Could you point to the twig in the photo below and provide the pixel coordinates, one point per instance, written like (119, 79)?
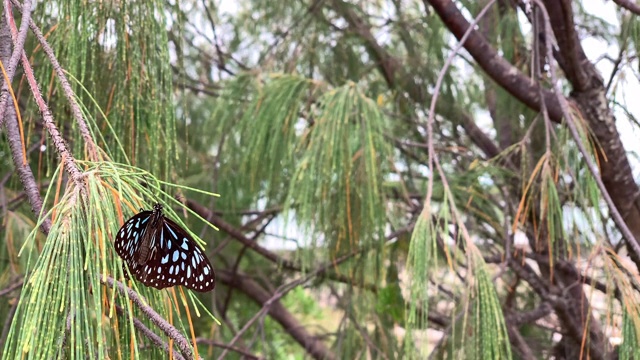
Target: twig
(225, 346)
(286, 264)
(615, 214)
(279, 293)
(7, 112)
(12, 63)
(58, 141)
(221, 62)
(7, 322)
(444, 338)
(11, 287)
(66, 86)
(147, 332)
(314, 346)
(236, 265)
(433, 158)
(183, 344)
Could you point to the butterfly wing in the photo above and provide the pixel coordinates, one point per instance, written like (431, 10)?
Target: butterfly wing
(187, 264)
(129, 237)
(174, 259)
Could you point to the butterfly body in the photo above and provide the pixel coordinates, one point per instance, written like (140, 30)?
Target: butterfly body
(160, 254)
(146, 242)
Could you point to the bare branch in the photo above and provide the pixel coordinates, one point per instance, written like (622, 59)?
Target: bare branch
(499, 69)
(271, 305)
(629, 5)
(148, 333)
(9, 117)
(66, 86)
(183, 344)
(225, 346)
(11, 287)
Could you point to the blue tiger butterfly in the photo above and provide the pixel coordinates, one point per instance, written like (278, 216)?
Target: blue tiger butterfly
(159, 253)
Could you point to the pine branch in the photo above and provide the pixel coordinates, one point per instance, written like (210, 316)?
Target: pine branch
(66, 86)
(148, 333)
(8, 115)
(183, 344)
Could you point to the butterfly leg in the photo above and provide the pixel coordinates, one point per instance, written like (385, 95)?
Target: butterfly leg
(124, 270)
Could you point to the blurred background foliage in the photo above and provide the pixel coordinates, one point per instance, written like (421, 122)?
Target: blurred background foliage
(309, 119)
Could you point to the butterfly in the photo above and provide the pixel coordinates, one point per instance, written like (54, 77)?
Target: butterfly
(159, 253)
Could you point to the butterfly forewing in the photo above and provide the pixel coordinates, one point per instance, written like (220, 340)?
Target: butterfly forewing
(129, 236)
(173, 257)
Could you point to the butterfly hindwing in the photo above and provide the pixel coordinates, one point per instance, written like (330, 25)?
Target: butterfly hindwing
(198, 272)
(172, 256)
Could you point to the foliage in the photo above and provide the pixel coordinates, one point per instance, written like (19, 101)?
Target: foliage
(353, 223)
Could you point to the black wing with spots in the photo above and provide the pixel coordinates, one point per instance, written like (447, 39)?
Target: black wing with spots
(174, 258)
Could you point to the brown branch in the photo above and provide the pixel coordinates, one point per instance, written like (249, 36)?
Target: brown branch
(573, 59)
(183, 344)
(613, 176)
(243, 352)
(58, 141)
(615, 214)
(521, 318)
(519, 343)
(11, 63)
(271, 305)
(148, 333)
(7, 322)
(573, 318)
(629, 5)
(555, 297)
(11, 287)
(236, 265)
(253, 245)
(9, 118)
(433, 156)
(66, 86)
(391, 68)
(500, 70)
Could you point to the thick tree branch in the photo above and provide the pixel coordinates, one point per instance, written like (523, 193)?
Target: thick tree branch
(500, 70)
(155, 339)
(617, 184)
(66, 86)
(391, 69)
(271, 305)
(573, 61)
(286, 264)
(629, 5)
(183, 344)
(8, 112)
